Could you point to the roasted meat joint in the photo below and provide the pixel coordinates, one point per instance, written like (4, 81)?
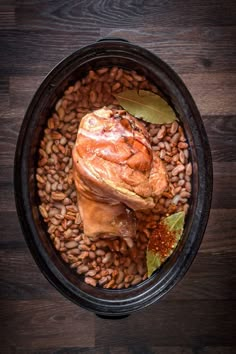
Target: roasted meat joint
(116, 172)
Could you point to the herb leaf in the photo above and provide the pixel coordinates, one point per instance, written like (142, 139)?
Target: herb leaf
(166, 238)
(153, 262)
(146, 105)
(175, 222)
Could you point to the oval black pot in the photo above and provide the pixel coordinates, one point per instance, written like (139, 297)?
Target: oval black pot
(101, 301)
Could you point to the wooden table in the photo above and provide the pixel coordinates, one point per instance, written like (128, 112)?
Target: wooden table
(198, 39)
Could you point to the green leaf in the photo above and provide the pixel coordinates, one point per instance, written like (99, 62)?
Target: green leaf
(153, 262)
(146, 105)
(174, 224)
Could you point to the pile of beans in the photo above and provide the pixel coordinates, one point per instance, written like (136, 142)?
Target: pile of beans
(112, 264)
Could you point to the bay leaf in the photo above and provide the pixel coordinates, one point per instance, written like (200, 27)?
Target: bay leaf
(146, 105)
(174, 224)
(153, 262)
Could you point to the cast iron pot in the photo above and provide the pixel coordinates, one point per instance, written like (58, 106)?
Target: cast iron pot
(126, 55)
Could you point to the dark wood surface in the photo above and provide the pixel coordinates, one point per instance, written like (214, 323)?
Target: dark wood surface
(198, 39)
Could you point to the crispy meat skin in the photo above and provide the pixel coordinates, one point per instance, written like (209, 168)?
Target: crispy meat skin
(115, 172)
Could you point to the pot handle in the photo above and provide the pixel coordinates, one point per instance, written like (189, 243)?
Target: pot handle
(108, 39)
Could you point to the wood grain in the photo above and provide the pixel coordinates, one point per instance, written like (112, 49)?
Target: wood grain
(132, 349)
(65, 15)
(205, 323)
(225, 186)
(189, 49)
(27, 320)
(211, 277)
(7, 14)
(213, 93)
(213, 242)
(198, 39)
